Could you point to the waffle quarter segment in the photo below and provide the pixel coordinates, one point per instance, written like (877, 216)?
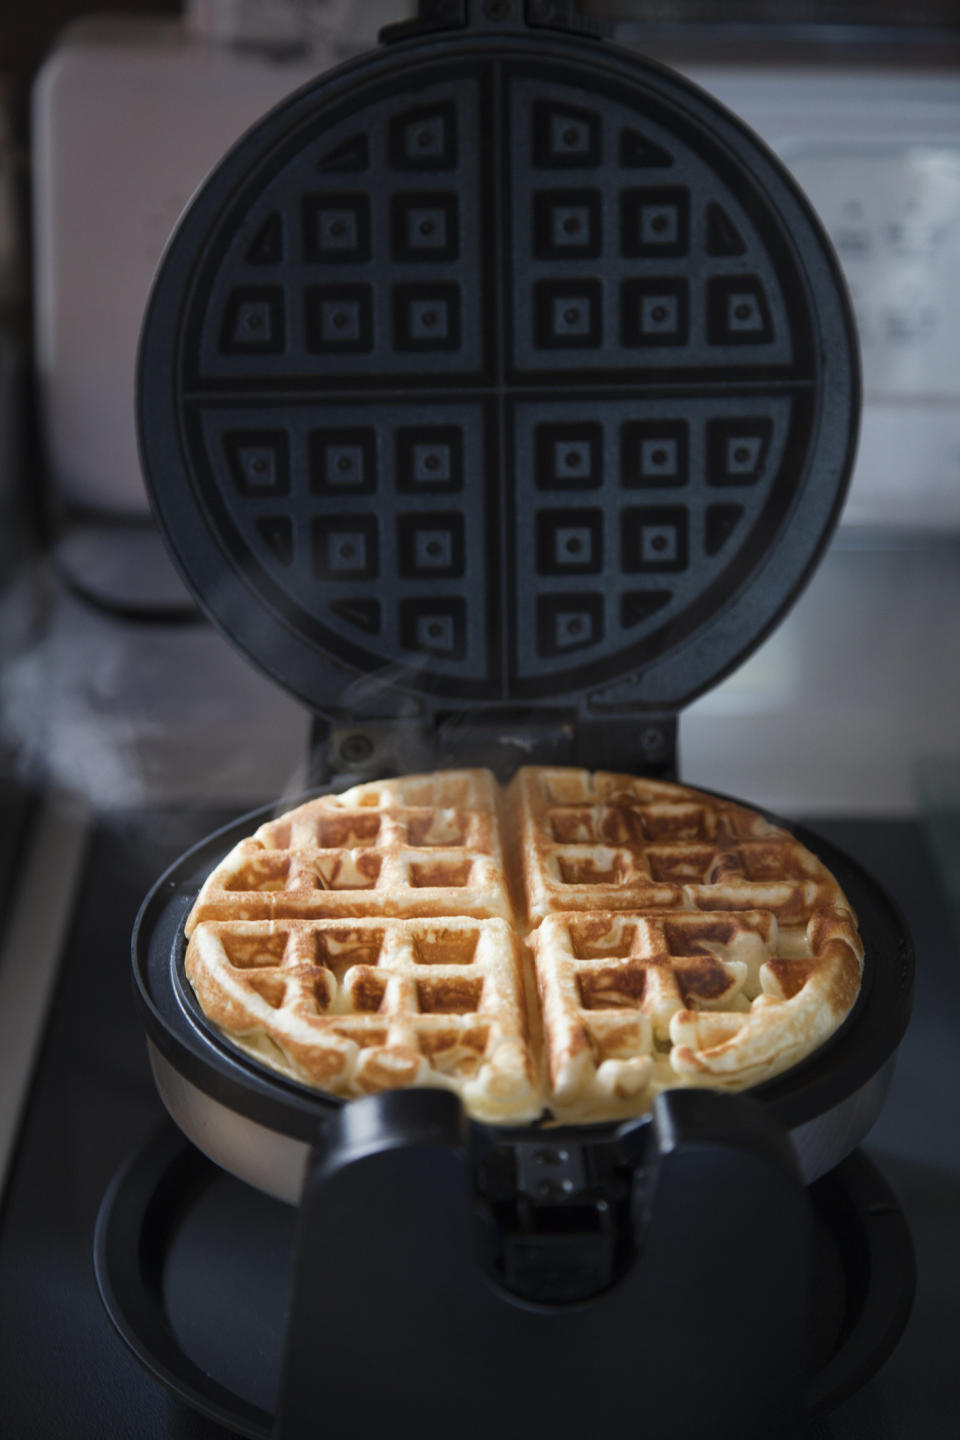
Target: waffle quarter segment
(357, 1006)
(600, 841)
(420, 845)
(635, 1003)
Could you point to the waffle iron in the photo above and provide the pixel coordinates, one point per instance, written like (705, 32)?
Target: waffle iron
(498, 394)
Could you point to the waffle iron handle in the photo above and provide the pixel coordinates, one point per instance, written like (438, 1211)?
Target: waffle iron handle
(439, 15)
(705, 1333)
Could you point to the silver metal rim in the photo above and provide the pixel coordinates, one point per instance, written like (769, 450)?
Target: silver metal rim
(275, 1163)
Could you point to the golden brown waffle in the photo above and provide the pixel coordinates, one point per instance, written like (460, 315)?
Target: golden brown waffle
(613, 842)
(419, 845)
(354, 1006)
(738, 956)
(677, 939)
(634, 1004)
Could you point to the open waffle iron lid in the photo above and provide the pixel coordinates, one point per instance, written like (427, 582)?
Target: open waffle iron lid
(498, 368)
(502, 370)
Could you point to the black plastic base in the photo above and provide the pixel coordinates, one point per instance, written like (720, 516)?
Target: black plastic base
(196, 1269)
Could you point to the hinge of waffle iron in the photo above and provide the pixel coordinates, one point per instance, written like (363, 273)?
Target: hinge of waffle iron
(439, 15)
(499, 740)
(558, 1218)
(565, 15)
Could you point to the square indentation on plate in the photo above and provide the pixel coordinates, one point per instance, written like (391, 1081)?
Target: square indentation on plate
(336, 228)
(425, 138)
(426, 317)
(569, 542)
(345, 547)
(425, 227)
(737, 450)
(431, 545)
(569, 456)
(737, 311)
(567, 224)
(343, 462)
(259, 461)
(654, 312)
(655, 222)
(254, 321)
(339, 318)
(653, 453)
(565, 136)
(654, 538)
(568, 622)
(438, 627)
(429, 459)
(568, 314)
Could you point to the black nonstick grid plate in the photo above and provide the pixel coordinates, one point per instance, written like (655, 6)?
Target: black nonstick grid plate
(504, 367)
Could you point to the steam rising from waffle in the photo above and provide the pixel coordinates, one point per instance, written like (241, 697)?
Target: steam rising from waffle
(570, 946)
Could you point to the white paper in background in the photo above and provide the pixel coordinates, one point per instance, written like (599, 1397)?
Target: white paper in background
(344, 24)
(893, 214)
(107, 195)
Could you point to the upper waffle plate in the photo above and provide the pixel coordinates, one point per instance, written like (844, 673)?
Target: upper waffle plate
(505, 361)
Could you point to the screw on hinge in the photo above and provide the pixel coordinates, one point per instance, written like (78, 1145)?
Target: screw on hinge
(550, 1172)
(354, 749)
(651, 740)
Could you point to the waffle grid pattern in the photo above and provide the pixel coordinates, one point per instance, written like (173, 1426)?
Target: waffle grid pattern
(362, 1005)
(366, 264)
(656, 935)
(679, 939)
(373, 851)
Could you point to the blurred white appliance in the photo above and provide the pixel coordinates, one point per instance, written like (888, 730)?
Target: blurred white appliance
(878, 153)
(128, 117)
